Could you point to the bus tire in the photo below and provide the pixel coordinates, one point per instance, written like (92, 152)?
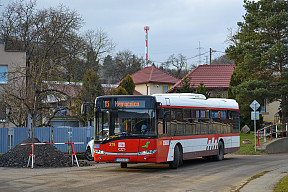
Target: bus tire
(175, 163)
(181, 156)
(220, 154)
(123, 165)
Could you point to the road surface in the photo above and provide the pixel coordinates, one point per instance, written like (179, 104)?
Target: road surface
(195, 175)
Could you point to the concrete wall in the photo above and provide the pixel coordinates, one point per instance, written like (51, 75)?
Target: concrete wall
(278, 146)
(153, 88)
(142, 88)
(271, 110)
(13, 59)
(16, 63)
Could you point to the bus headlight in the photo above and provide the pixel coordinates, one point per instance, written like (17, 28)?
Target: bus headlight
(148, 152)
(100, 152)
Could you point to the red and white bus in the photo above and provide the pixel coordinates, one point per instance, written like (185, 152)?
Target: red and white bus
(164, 128)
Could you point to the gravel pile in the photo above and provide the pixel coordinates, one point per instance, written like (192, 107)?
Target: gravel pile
(45, 156)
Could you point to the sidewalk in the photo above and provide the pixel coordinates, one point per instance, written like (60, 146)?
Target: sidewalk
(266, 182)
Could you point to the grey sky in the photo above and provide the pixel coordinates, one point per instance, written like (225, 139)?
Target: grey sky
(176, 26)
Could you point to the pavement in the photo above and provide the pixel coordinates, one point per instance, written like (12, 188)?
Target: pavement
(266, 182)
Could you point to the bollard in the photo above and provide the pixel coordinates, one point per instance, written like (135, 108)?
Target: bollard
(281, 129)
(276, 131)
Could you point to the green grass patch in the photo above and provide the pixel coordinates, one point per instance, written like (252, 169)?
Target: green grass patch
(282, 186)
(248, 149)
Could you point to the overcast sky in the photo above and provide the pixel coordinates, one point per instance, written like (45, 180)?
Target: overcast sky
(176, 26)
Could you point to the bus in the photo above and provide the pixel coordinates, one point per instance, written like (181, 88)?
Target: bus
(164, 128)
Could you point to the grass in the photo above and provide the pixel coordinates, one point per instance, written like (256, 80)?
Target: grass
(282, 186)
(248, 149)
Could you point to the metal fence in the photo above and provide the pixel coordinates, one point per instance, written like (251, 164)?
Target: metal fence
(3, 140)
(10, 137)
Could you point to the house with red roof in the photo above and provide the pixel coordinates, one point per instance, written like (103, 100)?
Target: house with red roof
(216, 79)
(151, 80)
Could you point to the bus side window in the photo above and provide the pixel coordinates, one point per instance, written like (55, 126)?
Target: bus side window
(235, 117)
(168, 118)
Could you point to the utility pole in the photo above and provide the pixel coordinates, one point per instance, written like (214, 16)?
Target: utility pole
(210, 59)
(199, 61)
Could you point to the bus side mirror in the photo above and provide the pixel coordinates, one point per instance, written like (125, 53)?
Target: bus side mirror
(84, 109)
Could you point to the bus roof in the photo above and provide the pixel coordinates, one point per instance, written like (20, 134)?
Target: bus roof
(195, 100)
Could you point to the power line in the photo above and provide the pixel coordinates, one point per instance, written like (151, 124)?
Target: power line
(189, 58)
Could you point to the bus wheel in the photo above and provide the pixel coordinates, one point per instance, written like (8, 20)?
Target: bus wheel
(220, 154)
(123, 165)
(175, 163)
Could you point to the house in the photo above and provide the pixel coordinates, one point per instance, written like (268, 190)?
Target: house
(12, 62)
(151, 80)
(216, 79)
(64, 107)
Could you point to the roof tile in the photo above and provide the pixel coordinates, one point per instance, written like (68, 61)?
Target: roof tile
(213, 76)
(152, 74)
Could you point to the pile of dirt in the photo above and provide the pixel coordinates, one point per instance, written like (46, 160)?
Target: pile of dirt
(45, 156)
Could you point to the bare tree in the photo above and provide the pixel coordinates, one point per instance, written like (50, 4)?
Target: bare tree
(222, 60)
(179, 63)
(127, 63)
(56, 50)
(46, 36)
(12, 95)
(97, 46)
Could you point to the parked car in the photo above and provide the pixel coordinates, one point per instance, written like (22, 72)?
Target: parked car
(89, 153)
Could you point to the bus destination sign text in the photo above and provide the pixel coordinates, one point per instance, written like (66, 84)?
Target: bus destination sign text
(124, 104)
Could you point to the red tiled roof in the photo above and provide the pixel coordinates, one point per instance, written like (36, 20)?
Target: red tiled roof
(72, 90)
(213, 76)
(152, 74)
(136, 93)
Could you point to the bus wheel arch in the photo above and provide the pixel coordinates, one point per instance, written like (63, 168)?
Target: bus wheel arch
(178, 157)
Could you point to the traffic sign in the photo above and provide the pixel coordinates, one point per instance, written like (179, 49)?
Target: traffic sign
(255, 116)
(254, 105)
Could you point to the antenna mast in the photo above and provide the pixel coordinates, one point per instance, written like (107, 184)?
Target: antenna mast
(146, 29)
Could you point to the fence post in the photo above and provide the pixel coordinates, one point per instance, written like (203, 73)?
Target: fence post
(10, 132)
(271, 132)
(258, 138)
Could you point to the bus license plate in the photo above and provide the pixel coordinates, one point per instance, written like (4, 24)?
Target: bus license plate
(122, 160)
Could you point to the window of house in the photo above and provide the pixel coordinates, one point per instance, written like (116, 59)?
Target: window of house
(3, 73)
(165, 88)
(263, 107)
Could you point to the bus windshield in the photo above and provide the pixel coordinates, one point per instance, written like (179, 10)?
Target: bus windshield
(125, 122)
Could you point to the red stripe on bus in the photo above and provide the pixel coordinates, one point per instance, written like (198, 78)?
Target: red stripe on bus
(170, 106)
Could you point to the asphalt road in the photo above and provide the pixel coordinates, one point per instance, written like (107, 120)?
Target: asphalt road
(195, 175)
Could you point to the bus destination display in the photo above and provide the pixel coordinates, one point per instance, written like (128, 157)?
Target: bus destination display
(124, 103)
